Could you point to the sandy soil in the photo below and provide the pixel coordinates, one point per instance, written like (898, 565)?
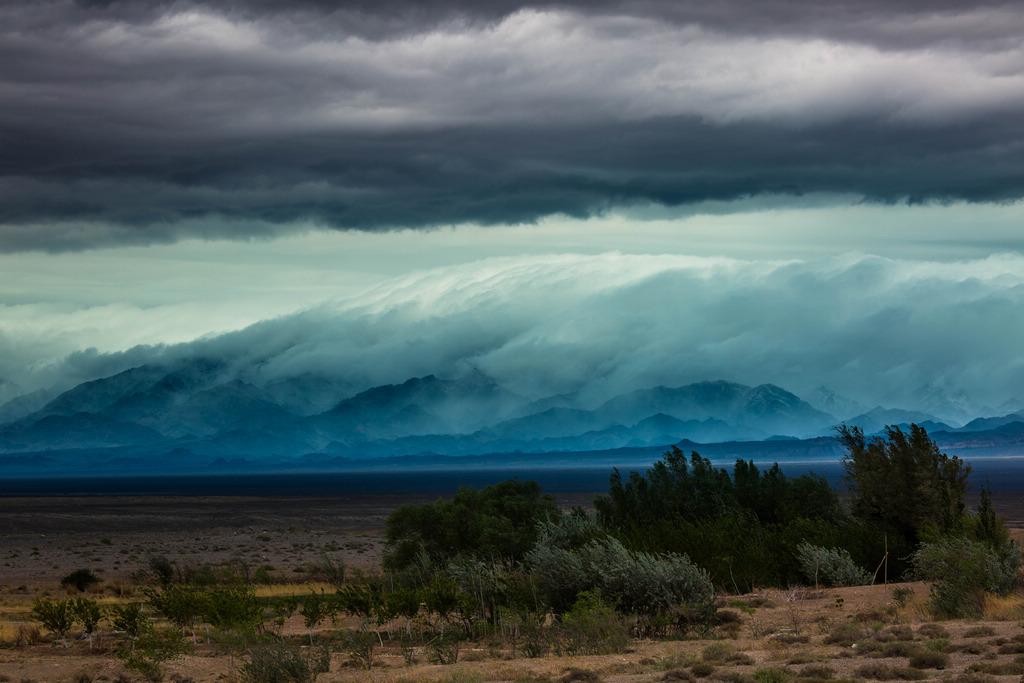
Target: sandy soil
(43, 539)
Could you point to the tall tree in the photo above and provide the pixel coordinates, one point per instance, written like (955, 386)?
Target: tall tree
(904, 481)
(499, 522)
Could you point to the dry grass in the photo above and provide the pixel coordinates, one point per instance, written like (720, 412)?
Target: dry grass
(1004, 608)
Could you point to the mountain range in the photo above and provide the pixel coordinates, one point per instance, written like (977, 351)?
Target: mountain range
(199, 412)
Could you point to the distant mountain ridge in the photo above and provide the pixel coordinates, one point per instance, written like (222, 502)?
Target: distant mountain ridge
(200, 411)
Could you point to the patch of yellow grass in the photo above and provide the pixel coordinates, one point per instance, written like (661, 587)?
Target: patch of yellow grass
(1004, 607)
(278, 590)
(914, 610)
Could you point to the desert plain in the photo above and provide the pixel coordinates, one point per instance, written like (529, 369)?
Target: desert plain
(794, 632)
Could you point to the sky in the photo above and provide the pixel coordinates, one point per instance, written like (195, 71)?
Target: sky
(568, 196)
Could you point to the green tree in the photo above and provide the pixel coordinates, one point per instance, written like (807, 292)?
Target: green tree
(497, 522)
(150, 650)
(672, 490)
(130, 620)
(87, 613)
(233, 608)
(182, 605)
(57, 616)
(904, 482)
(314, 608)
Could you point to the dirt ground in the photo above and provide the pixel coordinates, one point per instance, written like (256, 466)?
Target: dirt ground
(43, 539)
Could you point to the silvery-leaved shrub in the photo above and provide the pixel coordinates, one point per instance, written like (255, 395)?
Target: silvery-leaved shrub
(830, 566)
(961, 571)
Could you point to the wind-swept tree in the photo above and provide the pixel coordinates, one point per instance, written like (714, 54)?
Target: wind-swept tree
(903, 481)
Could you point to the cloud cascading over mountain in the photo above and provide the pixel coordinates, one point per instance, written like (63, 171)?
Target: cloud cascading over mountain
(874, 329)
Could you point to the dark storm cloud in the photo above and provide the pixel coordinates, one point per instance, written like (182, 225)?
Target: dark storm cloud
(149, 122)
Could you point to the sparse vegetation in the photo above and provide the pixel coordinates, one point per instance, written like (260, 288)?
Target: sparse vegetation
(576, 585)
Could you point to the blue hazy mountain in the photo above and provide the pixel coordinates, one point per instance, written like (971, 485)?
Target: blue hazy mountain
(419, 406)
(764, 410)
(828, 401)
(196, 412)
(981, 424)
(878, 417)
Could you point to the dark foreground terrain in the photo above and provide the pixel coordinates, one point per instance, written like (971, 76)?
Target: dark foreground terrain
(43, 539)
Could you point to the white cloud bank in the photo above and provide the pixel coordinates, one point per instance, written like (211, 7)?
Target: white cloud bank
(874, 328)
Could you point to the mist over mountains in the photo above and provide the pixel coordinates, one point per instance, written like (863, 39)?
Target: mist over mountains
(194, 414)
(557, 353)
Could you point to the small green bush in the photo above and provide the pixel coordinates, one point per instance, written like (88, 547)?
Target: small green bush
(902, 595)
(703, 669)
(717, 652)
(577, 675)
(998, 668)
(901, 648)
(1011, 648)
(360, 646)
(830, 566)
(594, 627)
(901, 632)
(883, 672)
(876, 671)
(771, 675)
(277, 662)
(926, 659)
(932, 631)
(962, 571)
(980, 632)
(973, 677)
(844, 634)
(817, 671)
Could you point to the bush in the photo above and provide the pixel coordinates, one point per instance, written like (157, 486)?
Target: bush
(444, 649)
(703, 669)
(844, 634)
(962, 571)
(282, 663)
(771, 675)
(830, 566)
(933, 631)
(576, 675)
(162, 569)
(150, 650)
(927, 659)
(56, 616)
(79, 579)
(593, 627)
(641, 583)
(360, 646)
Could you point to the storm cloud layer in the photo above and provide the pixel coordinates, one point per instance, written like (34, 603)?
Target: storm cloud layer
(877, 330)
(140, 123)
